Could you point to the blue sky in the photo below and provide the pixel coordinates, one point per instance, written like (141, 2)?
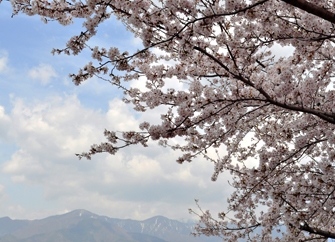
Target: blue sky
(45, 119)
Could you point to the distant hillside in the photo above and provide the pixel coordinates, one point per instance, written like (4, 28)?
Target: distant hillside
(83, 226)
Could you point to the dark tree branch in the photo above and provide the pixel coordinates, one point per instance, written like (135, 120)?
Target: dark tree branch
(311, 230)
(313, 9)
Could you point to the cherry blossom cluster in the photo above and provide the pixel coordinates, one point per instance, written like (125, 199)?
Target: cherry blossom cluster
(224, 51)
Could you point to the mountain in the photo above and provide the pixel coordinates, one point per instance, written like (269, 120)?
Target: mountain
(87, 230)
(8, 238)
(159, 226)
(8, 226)
(83, 226)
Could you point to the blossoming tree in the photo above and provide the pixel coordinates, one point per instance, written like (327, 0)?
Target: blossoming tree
(223, 50)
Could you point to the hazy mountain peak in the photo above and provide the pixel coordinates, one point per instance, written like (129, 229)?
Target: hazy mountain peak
(159, 221)
(82, 212)
(158, 218)
(5, 218)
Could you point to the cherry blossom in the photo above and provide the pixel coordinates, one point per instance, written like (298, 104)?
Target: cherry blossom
(224, 51)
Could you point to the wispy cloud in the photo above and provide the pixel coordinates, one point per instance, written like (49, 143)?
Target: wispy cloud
(3, 62)
(43, 73)
(138, 182)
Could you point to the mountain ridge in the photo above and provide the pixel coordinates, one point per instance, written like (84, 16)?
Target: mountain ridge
(81, 225)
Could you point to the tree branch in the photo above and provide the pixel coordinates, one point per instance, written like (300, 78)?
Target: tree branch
(311, 230)
(329, 117)
(313, 9)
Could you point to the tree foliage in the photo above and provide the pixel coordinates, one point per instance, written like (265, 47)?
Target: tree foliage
(223, 50)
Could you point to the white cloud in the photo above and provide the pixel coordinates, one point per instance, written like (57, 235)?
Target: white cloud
(43, 73)
(2, 191)
(4, 125)
(137, 42)
(120, 116)
(3, 62)
(279, 51)
(135, 183)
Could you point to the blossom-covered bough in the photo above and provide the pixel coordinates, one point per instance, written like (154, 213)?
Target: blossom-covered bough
(224, 49)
